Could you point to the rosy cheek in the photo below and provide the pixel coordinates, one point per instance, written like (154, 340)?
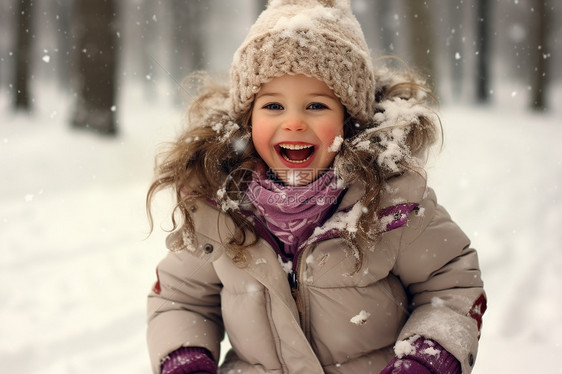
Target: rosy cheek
(328, 133)
(260, 136)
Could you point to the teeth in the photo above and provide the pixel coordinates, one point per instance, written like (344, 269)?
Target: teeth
(295, 161)
(295, 147)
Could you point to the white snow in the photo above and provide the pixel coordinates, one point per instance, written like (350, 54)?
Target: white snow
(361, 318)
(287, 266)
(225, 130)
(405, 347)
(437, 301)
(226, 202)
(431, 351)
(336, 144)
(75, 264)
(340, 221)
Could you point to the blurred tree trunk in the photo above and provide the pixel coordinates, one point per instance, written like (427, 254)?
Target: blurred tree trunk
(421, 40)
(96, 60)
(541, 55)
(63, 10)
(483, 59)
(24, 39)
(456, 48)
(384, 20)
(188, 41)
(148, 46)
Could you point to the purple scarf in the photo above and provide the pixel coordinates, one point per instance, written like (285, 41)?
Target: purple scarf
(292, 212)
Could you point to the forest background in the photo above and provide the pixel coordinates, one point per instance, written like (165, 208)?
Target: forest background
(89, 48)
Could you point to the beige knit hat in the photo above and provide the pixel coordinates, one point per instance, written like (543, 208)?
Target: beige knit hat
(318, 38)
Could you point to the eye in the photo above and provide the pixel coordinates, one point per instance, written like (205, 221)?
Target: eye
(317, 106)
(273, 106)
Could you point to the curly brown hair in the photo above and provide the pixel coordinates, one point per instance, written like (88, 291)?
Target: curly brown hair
(212, 158)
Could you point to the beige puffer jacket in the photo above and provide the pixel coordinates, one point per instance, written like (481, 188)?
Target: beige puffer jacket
(421, 278)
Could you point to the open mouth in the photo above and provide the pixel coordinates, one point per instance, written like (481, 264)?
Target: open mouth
(296, 153)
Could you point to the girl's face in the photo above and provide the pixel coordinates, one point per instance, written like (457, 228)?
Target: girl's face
(295, 120)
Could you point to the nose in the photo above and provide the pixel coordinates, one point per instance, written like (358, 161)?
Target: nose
(294, 122)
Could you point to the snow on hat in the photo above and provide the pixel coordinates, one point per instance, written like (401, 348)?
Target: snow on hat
(317, 38)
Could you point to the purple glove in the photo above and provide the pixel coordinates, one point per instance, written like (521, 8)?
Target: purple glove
(418, 355)
(189, 360)
(398, 366)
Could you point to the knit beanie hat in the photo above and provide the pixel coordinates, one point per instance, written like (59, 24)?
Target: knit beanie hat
(317, 38)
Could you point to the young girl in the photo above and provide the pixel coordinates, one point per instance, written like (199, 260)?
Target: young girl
(307, 232)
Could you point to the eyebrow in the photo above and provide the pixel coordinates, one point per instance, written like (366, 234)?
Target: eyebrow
(330, 96)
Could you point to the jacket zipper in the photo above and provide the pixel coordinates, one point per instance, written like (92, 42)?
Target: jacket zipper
(294, 277)
(295, 280)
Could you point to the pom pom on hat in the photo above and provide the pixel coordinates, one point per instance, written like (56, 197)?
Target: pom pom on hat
(317, 38)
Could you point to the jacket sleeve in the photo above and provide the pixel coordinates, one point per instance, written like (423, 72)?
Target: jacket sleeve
(184, 307)
(441, 274)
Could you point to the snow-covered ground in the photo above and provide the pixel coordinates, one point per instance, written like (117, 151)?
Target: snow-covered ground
(75, 264)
